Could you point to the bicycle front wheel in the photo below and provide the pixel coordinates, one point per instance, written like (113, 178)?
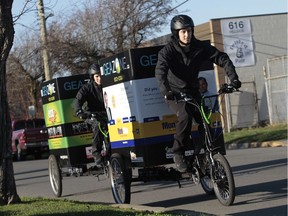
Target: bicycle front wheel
(224, 185)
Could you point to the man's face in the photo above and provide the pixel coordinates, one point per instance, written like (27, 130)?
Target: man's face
(202, 86)
(106, 99)
(185, 35)
(97, 78)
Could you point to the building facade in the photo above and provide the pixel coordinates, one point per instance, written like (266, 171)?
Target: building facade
(257, 46)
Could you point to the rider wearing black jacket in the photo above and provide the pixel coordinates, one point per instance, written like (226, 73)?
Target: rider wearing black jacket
(91, 93)
(177, 70)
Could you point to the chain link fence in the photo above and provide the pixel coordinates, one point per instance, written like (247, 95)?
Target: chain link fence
(242, 107)
(276, 81)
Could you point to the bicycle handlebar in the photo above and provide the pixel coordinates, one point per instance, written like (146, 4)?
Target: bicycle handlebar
(225, 89)
(99, 120)
(90, 117)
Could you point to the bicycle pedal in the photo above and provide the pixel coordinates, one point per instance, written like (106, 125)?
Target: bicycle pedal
(195, 175)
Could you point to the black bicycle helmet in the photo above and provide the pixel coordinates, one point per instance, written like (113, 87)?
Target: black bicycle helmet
(93, 69)
(180, 22)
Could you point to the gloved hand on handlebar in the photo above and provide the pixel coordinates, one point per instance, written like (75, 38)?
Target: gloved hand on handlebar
(236, 84)
(228, 88)
(170, 95)
(81, 114)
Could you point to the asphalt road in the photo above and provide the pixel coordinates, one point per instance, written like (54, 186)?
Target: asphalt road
(260, 177)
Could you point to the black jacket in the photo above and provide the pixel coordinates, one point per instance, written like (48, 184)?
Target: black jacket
(92, 93)
(178, 71)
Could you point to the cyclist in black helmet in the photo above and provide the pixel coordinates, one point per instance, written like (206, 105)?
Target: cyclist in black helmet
(91, 93)
(177, 71)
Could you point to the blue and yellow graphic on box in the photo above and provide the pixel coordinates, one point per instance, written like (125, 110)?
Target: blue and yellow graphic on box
(134, 130)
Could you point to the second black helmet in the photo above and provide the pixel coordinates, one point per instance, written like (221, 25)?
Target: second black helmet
(94, 69)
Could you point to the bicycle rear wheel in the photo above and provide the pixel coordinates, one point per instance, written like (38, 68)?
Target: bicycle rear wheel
(55, 175)
(120, 179)
(224, 185)
(205, 180)
(207, 184)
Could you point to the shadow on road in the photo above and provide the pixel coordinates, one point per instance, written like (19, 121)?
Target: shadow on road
(258, 166)
(271, 190)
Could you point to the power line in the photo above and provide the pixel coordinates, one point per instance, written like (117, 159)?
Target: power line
(166, 12)
(131, 16)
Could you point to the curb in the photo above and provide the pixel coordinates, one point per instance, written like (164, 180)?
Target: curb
(141, 208)
(279, 143)
(159, 210)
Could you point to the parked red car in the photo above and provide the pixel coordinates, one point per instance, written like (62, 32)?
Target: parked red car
(29, 137)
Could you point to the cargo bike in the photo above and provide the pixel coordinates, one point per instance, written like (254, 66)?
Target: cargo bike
(208, 166)
(70, 138)
(206, 161)
(141, 129)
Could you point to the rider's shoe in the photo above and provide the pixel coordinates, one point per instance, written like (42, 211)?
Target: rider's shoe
(180, 162)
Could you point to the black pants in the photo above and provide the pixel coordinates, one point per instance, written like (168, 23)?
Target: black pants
(185, 112)
(98, 137)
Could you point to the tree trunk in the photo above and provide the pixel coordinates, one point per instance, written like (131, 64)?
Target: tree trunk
(8, 192)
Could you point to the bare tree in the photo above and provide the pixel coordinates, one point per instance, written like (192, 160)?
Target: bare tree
(103, 28)
(129, 22)
(68, 51)
(8, 192)
(25, 72)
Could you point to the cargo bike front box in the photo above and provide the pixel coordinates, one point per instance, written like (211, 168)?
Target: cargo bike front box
(69, 137)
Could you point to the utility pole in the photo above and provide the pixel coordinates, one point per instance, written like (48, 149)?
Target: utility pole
(43, 34)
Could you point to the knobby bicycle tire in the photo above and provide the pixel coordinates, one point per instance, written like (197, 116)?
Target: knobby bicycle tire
(224, 185)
